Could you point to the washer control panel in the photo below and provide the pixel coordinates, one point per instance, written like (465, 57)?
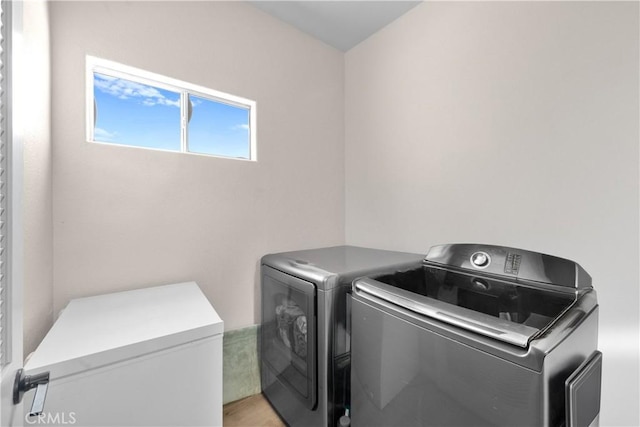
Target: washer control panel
(510, 263)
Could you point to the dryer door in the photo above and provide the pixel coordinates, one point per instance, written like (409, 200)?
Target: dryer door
(288, 332)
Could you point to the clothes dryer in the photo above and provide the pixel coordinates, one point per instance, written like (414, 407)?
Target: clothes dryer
(304, 336)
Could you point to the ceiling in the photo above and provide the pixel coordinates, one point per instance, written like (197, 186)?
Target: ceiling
(341, 24)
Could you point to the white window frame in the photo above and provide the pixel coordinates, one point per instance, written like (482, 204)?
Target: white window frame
(115, 69)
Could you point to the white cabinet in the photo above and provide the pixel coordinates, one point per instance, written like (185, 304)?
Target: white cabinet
(148, 357)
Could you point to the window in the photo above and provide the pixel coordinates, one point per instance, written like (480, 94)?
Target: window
(132, 107)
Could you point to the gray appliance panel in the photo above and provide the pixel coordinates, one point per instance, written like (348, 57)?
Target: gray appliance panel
(406, 375)
(583, 392)
(408, 371)
(339, 265)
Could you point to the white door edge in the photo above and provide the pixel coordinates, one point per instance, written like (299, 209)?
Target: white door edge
(10, 414)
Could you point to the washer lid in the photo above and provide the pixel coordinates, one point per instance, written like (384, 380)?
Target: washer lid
(503, 311)
(480, 323)
(96, 331)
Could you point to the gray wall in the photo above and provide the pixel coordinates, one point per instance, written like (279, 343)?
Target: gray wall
(34, 109)
(510, 123)
(127, 218)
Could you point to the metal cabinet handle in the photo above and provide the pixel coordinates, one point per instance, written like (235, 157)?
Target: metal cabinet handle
(24, 383)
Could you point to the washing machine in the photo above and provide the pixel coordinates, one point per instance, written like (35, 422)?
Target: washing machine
(305, 329)
(145, 357)
(478, 335)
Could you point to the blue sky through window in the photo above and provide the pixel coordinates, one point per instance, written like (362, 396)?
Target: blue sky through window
(218, 129)
(142, 115)
(135, 114)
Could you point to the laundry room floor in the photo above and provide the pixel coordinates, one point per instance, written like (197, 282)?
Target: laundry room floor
(253, 411)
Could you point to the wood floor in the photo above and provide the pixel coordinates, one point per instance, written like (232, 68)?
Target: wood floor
(253, 411)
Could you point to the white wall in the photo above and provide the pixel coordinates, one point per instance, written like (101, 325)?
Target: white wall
(127, 218)
(513, 123)
(33, 102)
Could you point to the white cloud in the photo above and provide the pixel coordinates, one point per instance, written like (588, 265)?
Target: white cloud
(108, 78)
(100, 134)
(243, 126)
(125, 89)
